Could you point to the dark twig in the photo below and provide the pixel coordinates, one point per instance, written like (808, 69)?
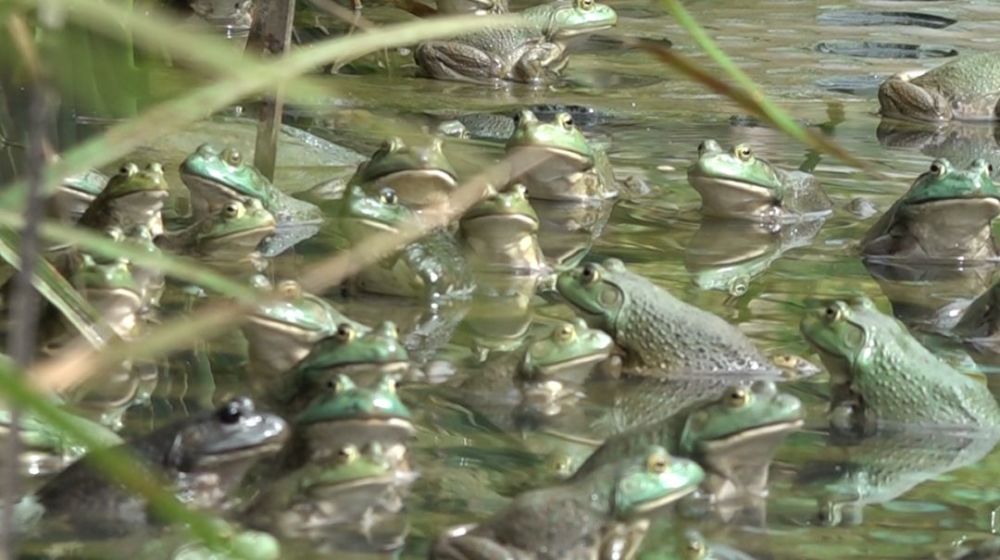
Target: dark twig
(270, 34)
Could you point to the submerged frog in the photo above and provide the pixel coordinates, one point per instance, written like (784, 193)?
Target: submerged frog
(132, 197)
(421, 176)
(737, 184)
(360, 356)
(233, 233)
(880, 374)
(946, 214)
(598, 516)
(967, 89)
(570, 353)
(431, 267)
(658, 332)
(732, 437)
(217, 178)
(112, 290)
(203, 458)
(280, 332)
(501, 233)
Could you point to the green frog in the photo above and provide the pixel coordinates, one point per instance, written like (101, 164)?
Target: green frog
(658, 332)
(202, 457)
(965, 89)
(47, 450)
(361, 356)
(112, 290)
(75, 194)
(131, 197)
(431, 267)
(281, 331)
(562, 20)
(216, 178)
(501, 233)
(231, 234)
(733, 438)
(880, 374)
(421, 176)
(946, 214)
(738, 184)
(570, 353)
(602, 515)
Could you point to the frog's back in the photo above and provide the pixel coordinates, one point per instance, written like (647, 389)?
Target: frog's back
(974, 75)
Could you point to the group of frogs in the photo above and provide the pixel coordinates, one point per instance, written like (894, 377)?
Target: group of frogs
(703, 411)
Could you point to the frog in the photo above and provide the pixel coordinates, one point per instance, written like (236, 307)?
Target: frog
(215, 178)
(360, 356)
(500, 233)
(732, 437)
(603, 515)
(660, 334)
(694, 546)
(46, 450)
(243, 544)
(431, 268)
(569, 353)
(75, 194)
(965, 89)
(477, 7)
(112, 290)
(570, 167)
(233, 233)
(879, 372)
(202, 458)
(946, 214)
(562, 20)
(372, 419)
(131, 197)
(281, 331)
(421, 176)
(232, 15)
(738, 184)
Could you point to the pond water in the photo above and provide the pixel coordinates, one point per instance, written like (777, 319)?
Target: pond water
(822, 61)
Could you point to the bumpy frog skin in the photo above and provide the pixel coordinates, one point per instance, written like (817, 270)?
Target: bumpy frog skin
(420, 175)
(598, 516)
(965, 89)
(477, 7)
(349, 352)
(131, 197)
(112, 290)
(880, 374)
(501, 234)
(737, 184)
(659, 333)
(569, 348)
(946, 214)
(565, 19)
(517, 54)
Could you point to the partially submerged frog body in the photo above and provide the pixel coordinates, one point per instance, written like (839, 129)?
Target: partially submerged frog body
(738, 184)
(659, 333)
(202, 457)
(360, 356)
(217, 178)
(131, 197)
(420, 175)
(75, 194)
(232, 234)
(432, 267)
(598, 516)
(881, 375)
(282, 331)
(112, 290)
(568, 355)
(946, 214)
(967, 89)
(501, 234)
(732, 437)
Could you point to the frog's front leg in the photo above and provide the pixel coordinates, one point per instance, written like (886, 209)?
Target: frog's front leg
(538, 62)
(453, 60)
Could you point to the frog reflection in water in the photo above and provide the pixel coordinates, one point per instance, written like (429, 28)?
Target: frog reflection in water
(132, 197)
(658, 332)
(737, 184)
(598, 516)
(421, 176)
(880, 374)
(203, 458)
(112, 290)
(732, 437)
(946, 214)
(501, 233)
(530, 52)
(967, 88)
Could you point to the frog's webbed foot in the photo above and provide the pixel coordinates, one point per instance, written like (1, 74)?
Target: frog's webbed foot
(539, 63)
(449, 60)
(900, 98)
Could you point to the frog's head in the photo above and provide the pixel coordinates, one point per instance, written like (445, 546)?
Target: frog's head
(563, 20)
(362, 214)
(296, 312)
(735, 436)
(592, 289)
(843, 333)
(734, 182)
(565, 148)
(502, 214)
(215, 177)
(136, 192)
(570, 346)
(653, 480)
(943, 183)
(420, 175)
(348, 350)
(237, 228)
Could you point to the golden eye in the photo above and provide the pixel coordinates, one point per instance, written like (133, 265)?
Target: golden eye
(345, 333)
(657, 462)
(590, 274)
(737, 397)
(565, 332)
(289, 289)
(565, 120)
(233, 210)
(129, 169)
(586, 4)
(743, 152)
(388, 196)
(232, 157)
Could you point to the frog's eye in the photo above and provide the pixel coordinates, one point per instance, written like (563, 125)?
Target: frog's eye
(232, 157)
(743, 152)
(832, 313)
(389, 384)
(939, 167)
(737, 397)
(289, 289)
(347, 453)
(565, 332)
(657, 462)
(989, 168)
(129, 169)
(233, 210)
(695, 546)
(586, 4)
(388, 196)
(565, 120)
(393, 144)
(155, 168)
(345, 333)
(231, 412)
(590, 274)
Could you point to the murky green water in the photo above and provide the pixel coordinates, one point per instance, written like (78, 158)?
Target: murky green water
(891, 499)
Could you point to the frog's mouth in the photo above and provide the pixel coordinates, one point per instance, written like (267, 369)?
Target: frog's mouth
(728, 197)
(268, 436)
